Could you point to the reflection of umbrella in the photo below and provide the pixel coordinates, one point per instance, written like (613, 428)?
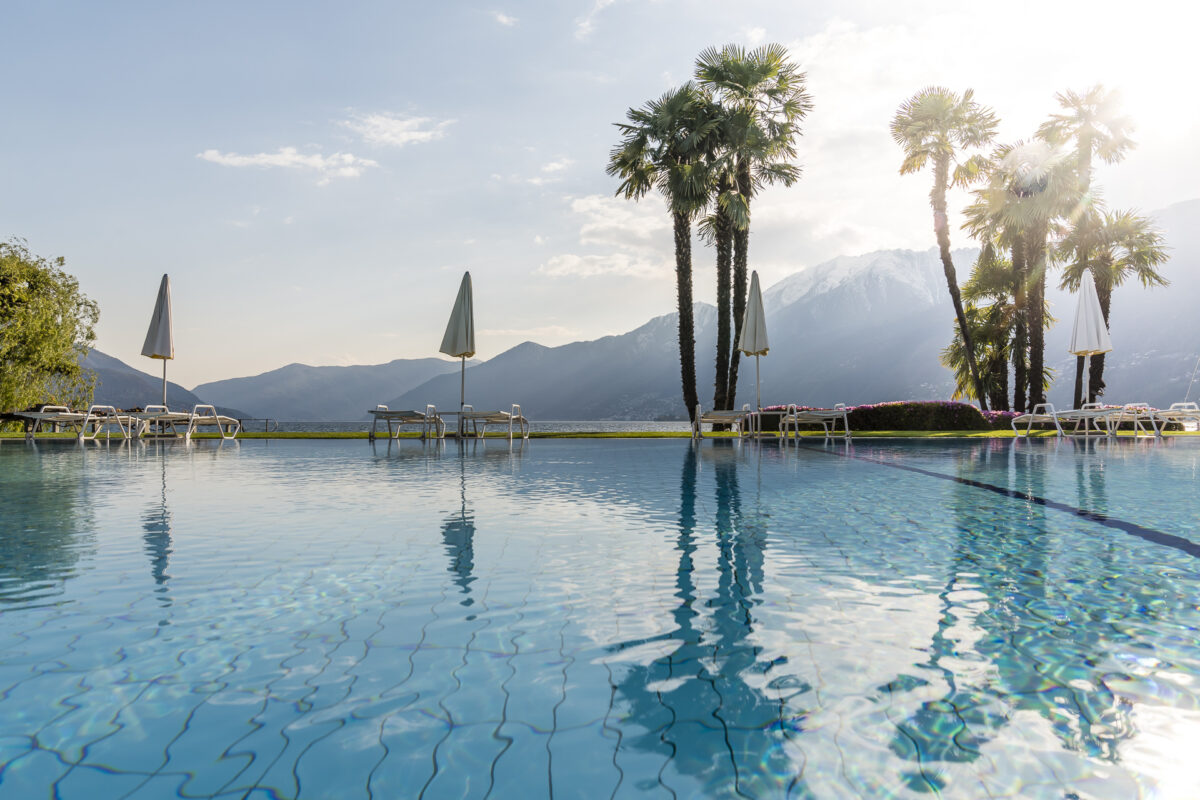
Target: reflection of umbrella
(159, 343)
(458, 532)
(1089, 337)
(459, 339)
(157, 525)
(753, 341)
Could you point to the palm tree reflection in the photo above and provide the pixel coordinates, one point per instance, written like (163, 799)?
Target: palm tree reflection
(697, 704)
(1015, 636)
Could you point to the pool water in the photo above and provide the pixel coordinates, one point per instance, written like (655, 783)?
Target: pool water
(616, 618)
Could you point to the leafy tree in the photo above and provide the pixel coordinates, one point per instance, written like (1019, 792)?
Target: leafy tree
(764, 98)
(1094, 122)
(663, 147)
(932, 127)
(1123, 245)
(47, 326)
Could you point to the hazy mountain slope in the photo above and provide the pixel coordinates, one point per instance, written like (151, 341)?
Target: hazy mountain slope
(120, 385)
(299, 391)
(631, 376)
(855, 329)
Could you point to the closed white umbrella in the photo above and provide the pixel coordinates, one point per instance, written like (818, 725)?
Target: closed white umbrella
(459, 340)
(1089, 337)
(753, 341)
(159, 341)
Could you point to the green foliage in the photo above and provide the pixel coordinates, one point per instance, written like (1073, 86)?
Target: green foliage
(47, 326)
(919, 416)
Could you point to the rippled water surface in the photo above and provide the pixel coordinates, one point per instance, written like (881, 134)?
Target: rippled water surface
(621, 618)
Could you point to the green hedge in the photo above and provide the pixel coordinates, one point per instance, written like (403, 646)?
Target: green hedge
(913, 415)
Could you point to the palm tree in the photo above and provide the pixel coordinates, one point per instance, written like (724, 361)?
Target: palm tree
(1031, 186)
(1094, 122)
(765, 98)
(992, 220)
(991, 332)
(932, 126)
(1123, 245)
(662, 148)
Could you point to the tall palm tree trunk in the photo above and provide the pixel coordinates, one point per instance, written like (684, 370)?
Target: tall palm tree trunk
(941, 229)
(741, 246)
(1020, 346)
(1036, 248)
(1085, 185)
(687, 326)
(999, 382)
(724, 231)
(1096, 376)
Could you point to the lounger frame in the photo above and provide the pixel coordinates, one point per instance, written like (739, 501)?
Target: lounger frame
(827, 418)
(742, 421)
(479, 420)
(429, 420)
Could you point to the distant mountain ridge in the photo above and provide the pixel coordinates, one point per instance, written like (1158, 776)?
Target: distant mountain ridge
(301, 392)
(122, 386)
(854, 329)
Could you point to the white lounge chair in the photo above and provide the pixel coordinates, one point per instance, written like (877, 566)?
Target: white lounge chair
(827, 418)
(429, 419)
(1095, 419)
(103, 419)
(162, 417)
(479, 421)
(740, 420)
(206, 416)
(1042, 414)
(1141, 415)
(1182, 413)
(54, 416)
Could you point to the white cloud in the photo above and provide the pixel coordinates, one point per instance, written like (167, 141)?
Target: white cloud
(590, 266)
(559, 165)
(754, 36)
(504, 19)
(337, 165)
(630, 239)
(615, 222)
(587, 24)
(397, 130)
(539, 239)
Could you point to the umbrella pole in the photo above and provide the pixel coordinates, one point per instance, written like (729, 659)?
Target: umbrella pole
(462, 394)
(757, 394)
(164, 382)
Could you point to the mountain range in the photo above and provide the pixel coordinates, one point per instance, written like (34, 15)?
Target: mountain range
(855, 329)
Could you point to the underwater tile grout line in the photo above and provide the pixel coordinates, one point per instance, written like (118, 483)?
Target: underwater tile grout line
(1132, 528)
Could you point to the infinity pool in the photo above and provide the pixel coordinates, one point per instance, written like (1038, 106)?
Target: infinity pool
(617, 618)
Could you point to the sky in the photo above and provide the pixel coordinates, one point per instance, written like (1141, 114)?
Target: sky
(316, 177)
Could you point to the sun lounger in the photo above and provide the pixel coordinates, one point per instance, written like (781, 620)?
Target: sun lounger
(1141, 415)
(1186, 414)
(740, 420)
(827, 418)
(54, 416)
(162, 418)
(428, 420)
(207, 417)
(1095, 419)
(1042, 414)
(103, 419)
(479, 420)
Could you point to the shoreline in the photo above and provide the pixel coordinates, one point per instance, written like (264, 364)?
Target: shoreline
(962, 434)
